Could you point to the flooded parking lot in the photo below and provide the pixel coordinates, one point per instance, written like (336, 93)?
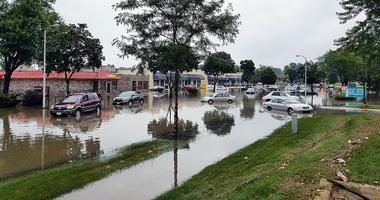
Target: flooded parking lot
(31, 141)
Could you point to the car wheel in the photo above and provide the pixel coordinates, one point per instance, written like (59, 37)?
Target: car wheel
(77, 114)
(290, 111)
(142, 102)
(130, 104)
(230, 101)
(210, 101)
(269, 108)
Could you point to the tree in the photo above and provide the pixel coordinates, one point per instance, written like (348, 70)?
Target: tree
(364, 37)
(72, 48)
(218, 64)
(248, 67)
(173, 24)
(265, 75)
(293, 71)
(21, 25)
(343, 66)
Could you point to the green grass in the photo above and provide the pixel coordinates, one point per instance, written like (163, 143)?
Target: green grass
(368, 156)
(285, 165)
(54, 182)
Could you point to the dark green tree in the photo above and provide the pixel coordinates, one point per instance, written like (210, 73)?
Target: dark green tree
(73, 48)
(21, 30)
(342, 66)
(248, 68)
(172, 24)
(364, 37)
(218, 64)
(265, 75)
(294, 71)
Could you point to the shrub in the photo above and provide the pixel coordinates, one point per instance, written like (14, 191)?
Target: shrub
(8, 100)
(32, 98)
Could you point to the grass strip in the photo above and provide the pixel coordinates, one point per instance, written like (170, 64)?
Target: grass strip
(52, 183)
(284, 165)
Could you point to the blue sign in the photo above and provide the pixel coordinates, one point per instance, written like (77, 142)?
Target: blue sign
(355, 91)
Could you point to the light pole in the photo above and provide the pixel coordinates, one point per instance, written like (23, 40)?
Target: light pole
(306, 62)
(44, 75)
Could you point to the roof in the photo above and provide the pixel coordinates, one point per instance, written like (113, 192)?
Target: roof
(37, 74)
(184, 77)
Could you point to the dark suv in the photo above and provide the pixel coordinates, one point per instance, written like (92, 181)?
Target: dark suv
(76, 104)
(129, 98)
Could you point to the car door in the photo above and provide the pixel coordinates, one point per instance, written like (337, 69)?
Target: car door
(218, 97)
(85, 104)
(274, 104)
(281, 104)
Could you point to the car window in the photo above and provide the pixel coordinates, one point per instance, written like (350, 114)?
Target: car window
(85, 98)
(218, 95)
(91, 97)
(72, 99)
(283, 94)
(275, 94)
(280, 101)
(126, 94)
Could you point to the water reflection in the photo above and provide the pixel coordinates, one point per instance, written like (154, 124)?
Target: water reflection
(248, 110)
(22, 153)
(164, 129)
(218, 122)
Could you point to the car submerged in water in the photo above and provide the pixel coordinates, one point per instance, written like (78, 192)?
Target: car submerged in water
(76, 104)
(288, 105)
(129, 98)
(219, 97)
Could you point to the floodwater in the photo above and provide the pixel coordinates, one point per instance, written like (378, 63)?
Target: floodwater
(33, 140)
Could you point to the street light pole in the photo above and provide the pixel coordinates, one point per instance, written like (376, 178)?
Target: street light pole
(306, 63)
(44, 75)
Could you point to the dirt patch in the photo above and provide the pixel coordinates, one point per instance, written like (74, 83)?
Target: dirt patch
(296, 185)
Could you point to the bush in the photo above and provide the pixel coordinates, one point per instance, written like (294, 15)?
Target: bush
(341, 96)
(32, 98)
(8, 100)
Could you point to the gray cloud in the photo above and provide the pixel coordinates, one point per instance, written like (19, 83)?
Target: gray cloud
(272, 31)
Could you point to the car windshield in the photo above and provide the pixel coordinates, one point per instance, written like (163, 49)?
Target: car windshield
(72, 99)
(126, 94)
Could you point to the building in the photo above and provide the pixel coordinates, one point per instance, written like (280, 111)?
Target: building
(230, 79)
(131, 80)
(102, 81)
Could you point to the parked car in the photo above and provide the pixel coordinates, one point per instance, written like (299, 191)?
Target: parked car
(250, 91)
(280, 94)
(129, 98)
(288, 105)
(76, 104)
(219, 97)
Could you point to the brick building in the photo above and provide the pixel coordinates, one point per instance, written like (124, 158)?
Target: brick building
(102, 81)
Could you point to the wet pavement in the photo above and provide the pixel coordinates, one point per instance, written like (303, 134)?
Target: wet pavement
(209, 133)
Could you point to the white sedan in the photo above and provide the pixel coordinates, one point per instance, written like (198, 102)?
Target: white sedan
(280, 94)
(288, 105)
(219, 97)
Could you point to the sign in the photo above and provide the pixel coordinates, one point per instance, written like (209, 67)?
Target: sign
(355, 90)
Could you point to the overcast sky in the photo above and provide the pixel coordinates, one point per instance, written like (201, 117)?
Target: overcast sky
(272, 31)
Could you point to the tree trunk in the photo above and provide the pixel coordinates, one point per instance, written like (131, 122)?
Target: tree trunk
(215, 82)
(67, 87)
(7, 82)
(176, 91)
(312, 94)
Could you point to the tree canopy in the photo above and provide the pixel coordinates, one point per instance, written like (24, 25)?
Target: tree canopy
(160, 28)
(217, 64)
(21, 29)
(265, 75)
(248, 68)
(72, 48)
(342, 66)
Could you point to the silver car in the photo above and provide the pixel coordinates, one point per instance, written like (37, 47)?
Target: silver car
(288, 105)
(219, 97)
(129, 98)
